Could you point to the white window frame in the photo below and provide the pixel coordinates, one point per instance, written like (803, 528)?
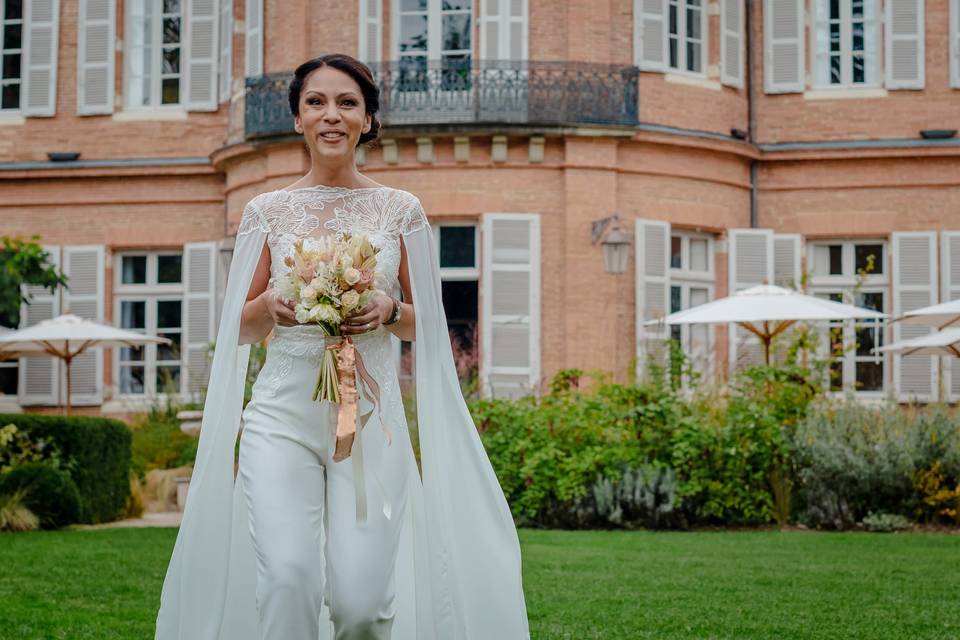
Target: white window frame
(820, 58)
(156, 61)
(151, 293)
(844, 284)
(682, 38)
(954, 47)
(434, 13)
(460, 273)
(4, 22)
(686, 279)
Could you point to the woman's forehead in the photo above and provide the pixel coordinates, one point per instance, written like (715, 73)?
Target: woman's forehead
(327, 80)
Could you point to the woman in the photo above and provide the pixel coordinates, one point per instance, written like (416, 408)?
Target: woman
(309, 548)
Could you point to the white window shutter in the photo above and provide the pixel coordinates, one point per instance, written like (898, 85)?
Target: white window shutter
(96, 27)
(904, 44)
(786, 260)
(39, 61)
(652, 240)
(371, 31)
(253, 42)
(503, 29)
(650, 34)
(783, 59)
(202, 53)
(914, 286)
(39, 377)
(950, 291)
(84, 297)
(200, 313)
(510, 299)
(955, 44)
(750, 263)
(225, 64)
(731, 42)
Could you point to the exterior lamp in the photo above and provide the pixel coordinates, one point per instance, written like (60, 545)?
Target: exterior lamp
(613, 240)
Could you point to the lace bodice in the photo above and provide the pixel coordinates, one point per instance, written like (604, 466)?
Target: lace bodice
(383, 213)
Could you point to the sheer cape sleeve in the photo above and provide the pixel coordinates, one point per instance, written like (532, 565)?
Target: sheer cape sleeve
(458, 565)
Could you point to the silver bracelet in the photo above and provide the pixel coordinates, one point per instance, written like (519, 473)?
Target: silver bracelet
(397, 312)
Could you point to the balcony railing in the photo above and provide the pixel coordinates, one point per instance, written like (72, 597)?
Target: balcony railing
(454, 92)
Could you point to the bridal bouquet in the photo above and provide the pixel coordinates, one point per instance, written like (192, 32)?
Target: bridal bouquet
(328, 281)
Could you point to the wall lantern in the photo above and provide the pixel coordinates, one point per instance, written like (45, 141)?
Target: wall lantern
(614, 241)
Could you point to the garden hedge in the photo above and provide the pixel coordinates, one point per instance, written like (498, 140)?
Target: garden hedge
(100, 449)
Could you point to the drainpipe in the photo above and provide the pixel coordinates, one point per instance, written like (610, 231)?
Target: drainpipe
(751, 113)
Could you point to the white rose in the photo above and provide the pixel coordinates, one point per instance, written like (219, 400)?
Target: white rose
(350, 299)
(302, 314)
(351, 276)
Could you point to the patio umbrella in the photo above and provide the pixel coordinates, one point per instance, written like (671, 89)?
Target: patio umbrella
(941, 316)
(767, 311)
(67, 336)
(940, 343)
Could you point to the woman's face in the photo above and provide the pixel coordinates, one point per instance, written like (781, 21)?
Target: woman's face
(333, 114)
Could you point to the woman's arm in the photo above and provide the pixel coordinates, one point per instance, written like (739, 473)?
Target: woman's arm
(263, 309)
(381, 308)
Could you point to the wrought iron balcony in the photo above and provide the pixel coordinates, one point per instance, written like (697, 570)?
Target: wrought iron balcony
(456, 92)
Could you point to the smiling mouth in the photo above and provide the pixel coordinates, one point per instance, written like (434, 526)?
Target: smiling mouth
(332, 135)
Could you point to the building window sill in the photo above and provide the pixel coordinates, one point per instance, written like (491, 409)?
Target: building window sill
(132, 115)
(11, 118)
(841, 93)
(692, 80)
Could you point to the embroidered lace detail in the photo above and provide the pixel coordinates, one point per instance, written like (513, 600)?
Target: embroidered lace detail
(253, 219)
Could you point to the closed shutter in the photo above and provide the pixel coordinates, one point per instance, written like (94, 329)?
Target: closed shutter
(904, 44)
(84, 297)
(786, 261)
(731, 42)
(371, 31)
(503, 30)
(651, 34)
(955, 44)
(225, 65)
(950, 291)
(751, 263)
(783, 26)
(253, 42)
(202, 53)
(652, 240)
(510, 282)
(38, 377)
(914, 286)
(39, 66)
(200, 296)
(96, 27)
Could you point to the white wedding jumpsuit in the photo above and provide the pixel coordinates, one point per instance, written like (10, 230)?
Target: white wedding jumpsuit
(302, 505)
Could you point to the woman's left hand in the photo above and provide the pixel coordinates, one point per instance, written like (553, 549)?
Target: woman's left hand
(369, 318)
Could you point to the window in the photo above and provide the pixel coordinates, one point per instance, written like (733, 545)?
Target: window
(434, 30)
(691, 284)
(686, 25)
(459, 275)
(846, 40)
(837, 269)
(8, 374)
(155, 53)
(149, 299)
(11, 46)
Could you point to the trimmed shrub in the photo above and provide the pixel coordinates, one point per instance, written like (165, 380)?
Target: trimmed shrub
(14, 514)
(49, 493)
(97, 451)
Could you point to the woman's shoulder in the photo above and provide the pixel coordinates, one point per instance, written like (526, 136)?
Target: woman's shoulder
(408, 213)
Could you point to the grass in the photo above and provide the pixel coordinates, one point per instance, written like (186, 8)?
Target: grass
(611, 585)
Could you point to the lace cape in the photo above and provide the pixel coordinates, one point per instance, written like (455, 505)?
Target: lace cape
(458, 567)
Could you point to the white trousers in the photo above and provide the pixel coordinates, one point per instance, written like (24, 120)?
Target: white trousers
(302, 511)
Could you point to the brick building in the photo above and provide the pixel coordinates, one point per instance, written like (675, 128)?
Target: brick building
(739, 142)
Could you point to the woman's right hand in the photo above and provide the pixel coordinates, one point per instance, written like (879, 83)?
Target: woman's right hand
(280, 310)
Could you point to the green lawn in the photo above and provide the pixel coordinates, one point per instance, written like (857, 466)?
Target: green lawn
(579, 585)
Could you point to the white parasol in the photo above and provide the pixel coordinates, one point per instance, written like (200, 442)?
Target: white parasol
(940, 343)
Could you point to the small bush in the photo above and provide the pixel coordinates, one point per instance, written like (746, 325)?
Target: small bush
(158, 442)
(50, 493)
(14, 514)
(885, 522)
(16, 448)
(135, 506)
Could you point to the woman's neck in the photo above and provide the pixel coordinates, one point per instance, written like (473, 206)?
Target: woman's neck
(345, 175)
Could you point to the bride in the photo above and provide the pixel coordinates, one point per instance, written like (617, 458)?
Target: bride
(295, 545)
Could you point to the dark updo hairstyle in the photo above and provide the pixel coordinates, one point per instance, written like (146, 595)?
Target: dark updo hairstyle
(355, 69)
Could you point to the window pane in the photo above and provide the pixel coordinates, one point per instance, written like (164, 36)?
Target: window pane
(698, 255)
(413, 5)
(11, 96)
(458, 247)
(869, 258)
(836, 259)
(456, 31)
(171, 60)
(693, 22)
(8, 379)
(131, 379)
(698, 296)
(460, 302)
(868, 338)
(869, 376)
(131, 354)
(171, 91)
(11, 65)
(676, 252)
(168, 314)
(133, 314)
(168, 379)
(872, 300)
(171, 6)
(169, 269)
(169, 351)
(693, 56)
(13, 9)
(413, 33)
(134, 270)
(171, 31)
(11, 36)
(676, 299)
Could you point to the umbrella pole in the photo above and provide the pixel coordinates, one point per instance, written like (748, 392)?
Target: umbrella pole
(68, 358)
